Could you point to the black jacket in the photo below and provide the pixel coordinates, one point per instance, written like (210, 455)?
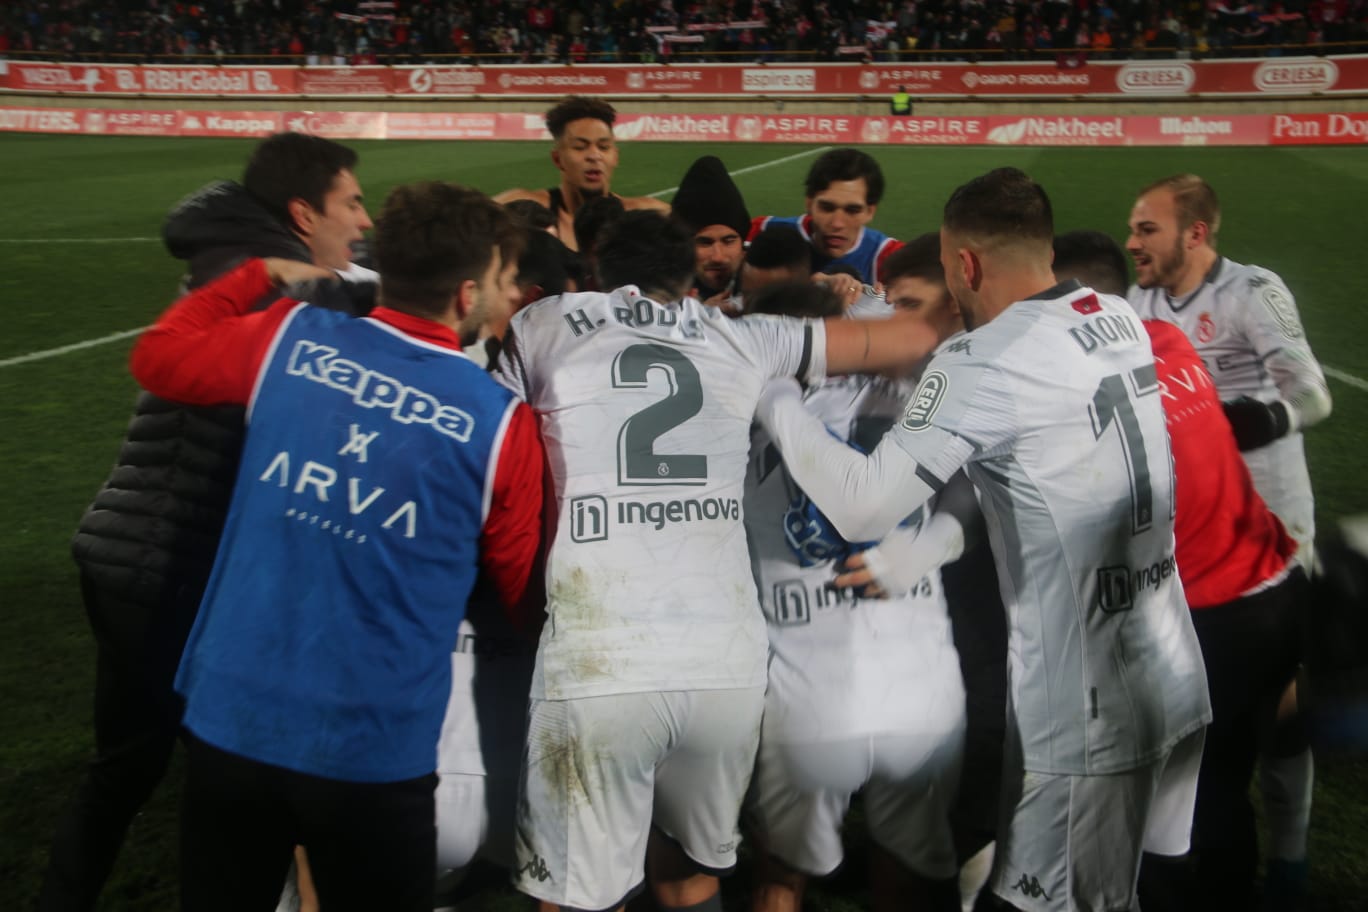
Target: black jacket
(154, 527)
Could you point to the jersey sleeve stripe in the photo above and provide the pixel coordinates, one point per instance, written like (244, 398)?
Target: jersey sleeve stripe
(270, 356)
(805, 360)
(487, 498)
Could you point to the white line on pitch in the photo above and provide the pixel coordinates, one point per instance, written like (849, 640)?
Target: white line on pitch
(760, 167)
(1342, 377)
(67, 349)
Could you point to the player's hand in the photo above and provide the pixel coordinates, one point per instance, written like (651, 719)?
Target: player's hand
(847, 288)
(1257, 423)
(284, 272)
(724, 302)
(855, 574)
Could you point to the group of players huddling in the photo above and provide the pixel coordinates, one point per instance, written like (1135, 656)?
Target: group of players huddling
(694, 475)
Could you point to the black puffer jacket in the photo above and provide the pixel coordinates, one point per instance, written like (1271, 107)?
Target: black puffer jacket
(155, 525)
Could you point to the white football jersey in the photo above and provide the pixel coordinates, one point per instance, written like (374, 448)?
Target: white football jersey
(1054, 410)
(645, 410)
(842, 666)
(1238, 318)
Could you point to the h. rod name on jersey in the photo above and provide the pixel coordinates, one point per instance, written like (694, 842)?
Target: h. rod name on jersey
(638, 312)
(372, 389)
(589, 515)
(1104, 330)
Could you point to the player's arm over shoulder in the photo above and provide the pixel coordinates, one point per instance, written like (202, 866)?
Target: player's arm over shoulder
(522, 193)
(645, 202)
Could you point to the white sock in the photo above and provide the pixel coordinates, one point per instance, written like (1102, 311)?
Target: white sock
(1286, 785)
(974, 874)
(289, 895)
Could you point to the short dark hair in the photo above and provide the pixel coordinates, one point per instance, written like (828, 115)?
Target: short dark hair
(543, 263)
(433, 236)
(533, 213)
(286, 166)
(846, 165)
(1094, 258)
(592, 217)
(578, 107)
(919, 258)
(780, 247)
(797, 299)
(1000, 208)
(649, 250)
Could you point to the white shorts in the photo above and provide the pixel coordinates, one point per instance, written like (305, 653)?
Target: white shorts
(1074, 842)
(475, 816)
(802, 792)
(599, 772)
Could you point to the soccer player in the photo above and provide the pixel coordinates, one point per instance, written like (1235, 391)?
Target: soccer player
(864, 689)
(843, 190)
(710, 205)
(915, 283)
(1243, 321)
(1245, 591)
(146, 544)
(381, 470)
(586, 154)
(650, 676)
(1051, 404)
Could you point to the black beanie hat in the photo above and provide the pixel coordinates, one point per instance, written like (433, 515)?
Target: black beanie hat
(708, 196)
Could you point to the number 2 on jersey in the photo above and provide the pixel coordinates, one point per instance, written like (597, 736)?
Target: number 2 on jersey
(1112, 403)
(638, 462)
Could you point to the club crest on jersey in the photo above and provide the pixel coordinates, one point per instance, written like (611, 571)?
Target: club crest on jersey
(1283, 311)
(1088, 305)
(1206, 327)
(925, 401)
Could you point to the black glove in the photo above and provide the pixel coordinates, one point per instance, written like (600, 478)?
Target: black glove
(1257, 423)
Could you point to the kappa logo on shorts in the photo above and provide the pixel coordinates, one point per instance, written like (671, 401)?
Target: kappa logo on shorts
(1031, 887)
(536, 868)
(925, 401)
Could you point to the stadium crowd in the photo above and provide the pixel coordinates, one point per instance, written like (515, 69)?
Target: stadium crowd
(597, 31)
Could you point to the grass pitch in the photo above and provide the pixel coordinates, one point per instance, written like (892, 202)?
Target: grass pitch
(80, 260)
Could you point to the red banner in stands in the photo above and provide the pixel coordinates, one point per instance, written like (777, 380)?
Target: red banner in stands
(1274, 76)
(1013, 130)
(1318, 129)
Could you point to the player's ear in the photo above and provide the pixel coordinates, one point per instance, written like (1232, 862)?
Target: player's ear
(303, 216)
(556, 156)
(1199, 233)
(971, 268)
(465, 297)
